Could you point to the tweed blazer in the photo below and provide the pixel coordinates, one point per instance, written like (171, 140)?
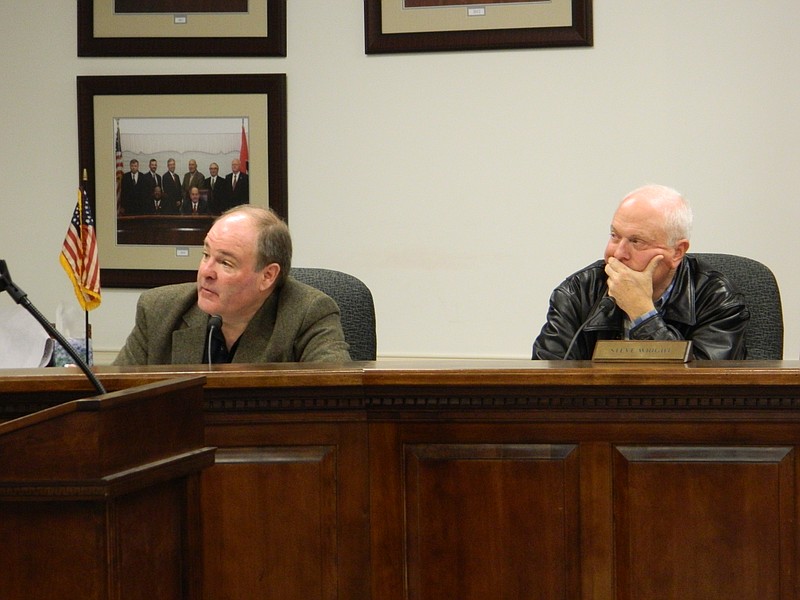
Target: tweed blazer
(297, 323)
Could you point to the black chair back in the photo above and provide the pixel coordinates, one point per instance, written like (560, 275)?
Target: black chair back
(756, 282)
(355, 303)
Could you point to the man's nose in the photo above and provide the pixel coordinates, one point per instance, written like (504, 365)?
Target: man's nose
(207, 269)
(622, 249)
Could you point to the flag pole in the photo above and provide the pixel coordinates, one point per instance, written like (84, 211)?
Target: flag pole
(86, 326)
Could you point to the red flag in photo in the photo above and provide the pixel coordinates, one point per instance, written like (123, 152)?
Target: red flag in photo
(243, 153)
(120, 168)
(79, 255)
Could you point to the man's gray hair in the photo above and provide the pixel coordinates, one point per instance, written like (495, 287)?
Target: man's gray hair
(677, 211)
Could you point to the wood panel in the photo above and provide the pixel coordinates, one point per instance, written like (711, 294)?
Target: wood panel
(73, 543)
(159, 555)
(271, 513)
(282, 512)
(463, 511)
(693, 523)
(491, 520)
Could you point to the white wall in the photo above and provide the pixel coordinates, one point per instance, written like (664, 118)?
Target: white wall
(461, 187)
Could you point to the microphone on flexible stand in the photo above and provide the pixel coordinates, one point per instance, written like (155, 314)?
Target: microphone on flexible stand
(21, 298)
(215, 322)
(606, 306)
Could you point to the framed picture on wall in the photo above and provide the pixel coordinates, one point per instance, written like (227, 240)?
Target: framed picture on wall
(449, 25)
(149, 144)
(181, 28)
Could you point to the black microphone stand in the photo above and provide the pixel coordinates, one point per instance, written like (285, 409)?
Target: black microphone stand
(21, 298)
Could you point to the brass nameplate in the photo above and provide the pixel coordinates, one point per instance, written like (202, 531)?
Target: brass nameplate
(643, 350)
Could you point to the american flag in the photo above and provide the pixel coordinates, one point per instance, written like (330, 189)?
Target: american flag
(79, 254)
(120, 168)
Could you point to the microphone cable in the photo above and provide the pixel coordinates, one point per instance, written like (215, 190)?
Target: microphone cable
(214, 322)
(605, 305)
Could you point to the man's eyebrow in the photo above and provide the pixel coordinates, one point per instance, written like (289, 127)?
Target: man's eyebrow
(226, 254)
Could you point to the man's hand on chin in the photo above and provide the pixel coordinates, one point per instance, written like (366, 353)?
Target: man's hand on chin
(632, 290)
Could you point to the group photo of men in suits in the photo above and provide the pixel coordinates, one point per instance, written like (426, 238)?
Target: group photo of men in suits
(151, 193)
(168, 170)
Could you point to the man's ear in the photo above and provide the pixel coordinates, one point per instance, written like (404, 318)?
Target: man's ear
(269, 276)
(681, 248)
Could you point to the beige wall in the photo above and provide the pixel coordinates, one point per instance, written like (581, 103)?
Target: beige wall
(461, 187)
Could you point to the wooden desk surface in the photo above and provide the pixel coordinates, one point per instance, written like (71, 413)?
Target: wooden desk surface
(421, 371)
(368, 384)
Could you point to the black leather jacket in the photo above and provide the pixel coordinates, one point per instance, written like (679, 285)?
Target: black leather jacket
(702, 307)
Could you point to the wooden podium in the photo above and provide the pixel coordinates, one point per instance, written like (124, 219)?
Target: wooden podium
(99, 498)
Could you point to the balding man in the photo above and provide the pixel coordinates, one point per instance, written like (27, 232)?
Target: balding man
(658, 292)
(192, 178)
(238, 185)
(260, 312)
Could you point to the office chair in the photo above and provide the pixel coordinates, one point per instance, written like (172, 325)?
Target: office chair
(764, 334)
(355, 303)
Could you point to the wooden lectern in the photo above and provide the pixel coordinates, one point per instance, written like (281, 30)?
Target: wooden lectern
(99, 498)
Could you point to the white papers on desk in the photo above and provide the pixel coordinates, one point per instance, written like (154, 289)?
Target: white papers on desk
(23, 341)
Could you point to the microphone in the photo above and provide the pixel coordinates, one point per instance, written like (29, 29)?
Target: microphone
(606, 306)
(214, 322)
(21, 298)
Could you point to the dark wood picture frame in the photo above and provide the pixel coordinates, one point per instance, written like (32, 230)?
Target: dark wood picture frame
(222, 43)
(271, 88)
(378, 41)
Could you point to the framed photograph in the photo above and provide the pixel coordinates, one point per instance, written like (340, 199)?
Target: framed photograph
(448, 25)
(181, 28)
(161, 156)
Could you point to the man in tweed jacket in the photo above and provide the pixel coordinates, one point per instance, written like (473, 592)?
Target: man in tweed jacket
(267, 316)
